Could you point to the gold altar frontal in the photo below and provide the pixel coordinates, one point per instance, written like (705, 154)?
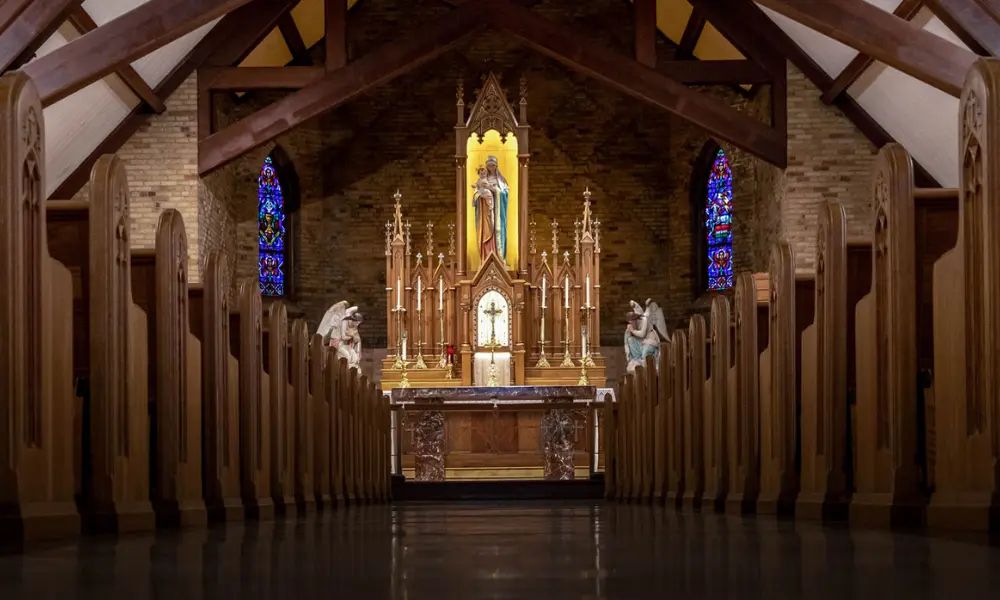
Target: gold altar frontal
(441, 331)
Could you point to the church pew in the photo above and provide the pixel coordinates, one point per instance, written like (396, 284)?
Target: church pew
(246, 342)
(336, 381)
(321, 362)
(306, 416)
(175, 382)
(630, 476)
(660, 424)
(823, 490)
(640, 399)
(650, 391)
(678, 361)
(693, 400)
(109, 354)
(351, 491)
(36, 344)
(965, 297)
(715, 429)
(744, 404)
(281, 414)
(609, 441)
(894, 342)
(789, 313)
(220, 393)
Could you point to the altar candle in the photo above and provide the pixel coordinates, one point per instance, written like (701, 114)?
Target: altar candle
(588, 291)
(420, 289)
(543, 291)
(399, 293)
(441, 295)
(566, 289)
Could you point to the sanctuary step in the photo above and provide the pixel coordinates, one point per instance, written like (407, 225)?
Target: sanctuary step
(483, 490)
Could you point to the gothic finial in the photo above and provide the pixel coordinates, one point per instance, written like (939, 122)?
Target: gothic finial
(545, 257)
(407, 238)
(420, 259)
(555, 238)
(460, 92)
(451, 239)
(597, 235)
(430, 239)
(576, 237)
(399, 212)
(388, 237)
(531, 238)
(524, 89)
(586, 210)
(440, 259)
(566, 257)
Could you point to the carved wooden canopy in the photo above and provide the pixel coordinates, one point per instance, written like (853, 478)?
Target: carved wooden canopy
(491, 110)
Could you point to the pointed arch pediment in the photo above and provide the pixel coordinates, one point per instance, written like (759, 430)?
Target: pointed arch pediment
(493, 272)
(491, 110)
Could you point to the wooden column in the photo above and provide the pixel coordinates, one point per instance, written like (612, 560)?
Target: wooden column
(335, 24)
(645, 32)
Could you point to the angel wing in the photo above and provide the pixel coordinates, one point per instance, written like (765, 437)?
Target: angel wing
(333, 320)
(636, 308)
(654, 315)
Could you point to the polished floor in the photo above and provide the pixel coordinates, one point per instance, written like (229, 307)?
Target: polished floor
(528, 550)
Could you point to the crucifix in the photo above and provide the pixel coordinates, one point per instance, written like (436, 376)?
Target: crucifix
(493, 312)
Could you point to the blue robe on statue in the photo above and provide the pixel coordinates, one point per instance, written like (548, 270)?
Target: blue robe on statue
(502, 218)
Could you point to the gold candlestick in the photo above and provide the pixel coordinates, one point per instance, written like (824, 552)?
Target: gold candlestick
(542, 361)
(443, 361)
(567, 360)
(586, 359)
(399, 364)
(420, 341)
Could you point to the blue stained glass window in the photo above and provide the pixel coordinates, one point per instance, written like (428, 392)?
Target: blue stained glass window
(719, 224)
(270, 231)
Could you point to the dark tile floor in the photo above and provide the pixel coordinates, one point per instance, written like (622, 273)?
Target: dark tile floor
(509, 550)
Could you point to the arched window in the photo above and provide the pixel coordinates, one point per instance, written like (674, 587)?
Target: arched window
(271, 231)
(718, 229)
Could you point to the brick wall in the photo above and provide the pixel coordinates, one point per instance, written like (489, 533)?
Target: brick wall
(828, 160)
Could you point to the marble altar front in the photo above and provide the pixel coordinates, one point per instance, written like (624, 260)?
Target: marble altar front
(557, 435)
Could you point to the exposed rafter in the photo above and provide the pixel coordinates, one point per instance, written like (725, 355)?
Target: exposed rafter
(119, 42)
(293, 39)
(10, 10)
(645, 32)
(906, 10)
(581, 53)
(749, 29)
(975, 22)
(384, 64)
(29, 29)
(692, 32)
(83, 24)
(885, 37)
(335, 33)
(228, 43)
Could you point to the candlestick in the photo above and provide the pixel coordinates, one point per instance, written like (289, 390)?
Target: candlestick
(420, 289)
(585, 359)
(399, 363)
(566, 290)
(443, 361)
(542, 361)
(588, 290)
(420, 334)
(399, 293)
(543, 291)
(441, 294)
(567, 360)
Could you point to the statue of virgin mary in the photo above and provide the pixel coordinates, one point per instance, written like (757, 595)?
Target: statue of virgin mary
(498, 185)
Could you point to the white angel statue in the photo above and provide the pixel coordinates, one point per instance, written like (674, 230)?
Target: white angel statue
(645, 330)
(339, 329)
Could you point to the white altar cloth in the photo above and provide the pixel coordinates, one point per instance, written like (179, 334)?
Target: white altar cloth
(481, 368)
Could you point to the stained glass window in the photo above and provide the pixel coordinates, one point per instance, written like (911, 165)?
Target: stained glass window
(719, 224)
(270, 231)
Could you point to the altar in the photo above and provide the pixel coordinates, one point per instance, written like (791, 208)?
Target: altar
(494, 310)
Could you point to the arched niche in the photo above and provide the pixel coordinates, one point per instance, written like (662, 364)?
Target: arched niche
(493, 300)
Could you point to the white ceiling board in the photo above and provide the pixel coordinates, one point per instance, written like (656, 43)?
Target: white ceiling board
(921, 118)
(156, 65)
(55, 41)
(829, 54)
(102, 11)
(886, 5)
(935, 26)
(76, 125)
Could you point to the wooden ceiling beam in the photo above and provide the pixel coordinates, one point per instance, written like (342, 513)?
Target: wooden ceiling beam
(885, 37)
(335, 36)
(85, 24)
(26, 31)
(581, 53)
(975, 22)
(692, 31)
(644, 12)
(906, 10)
(9, 11)
(244, 79)
(420, 45)
(228, 42)
(293, 39)
(119, 42)
(733, 19)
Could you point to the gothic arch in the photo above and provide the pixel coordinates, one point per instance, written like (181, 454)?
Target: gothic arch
(711, 220)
